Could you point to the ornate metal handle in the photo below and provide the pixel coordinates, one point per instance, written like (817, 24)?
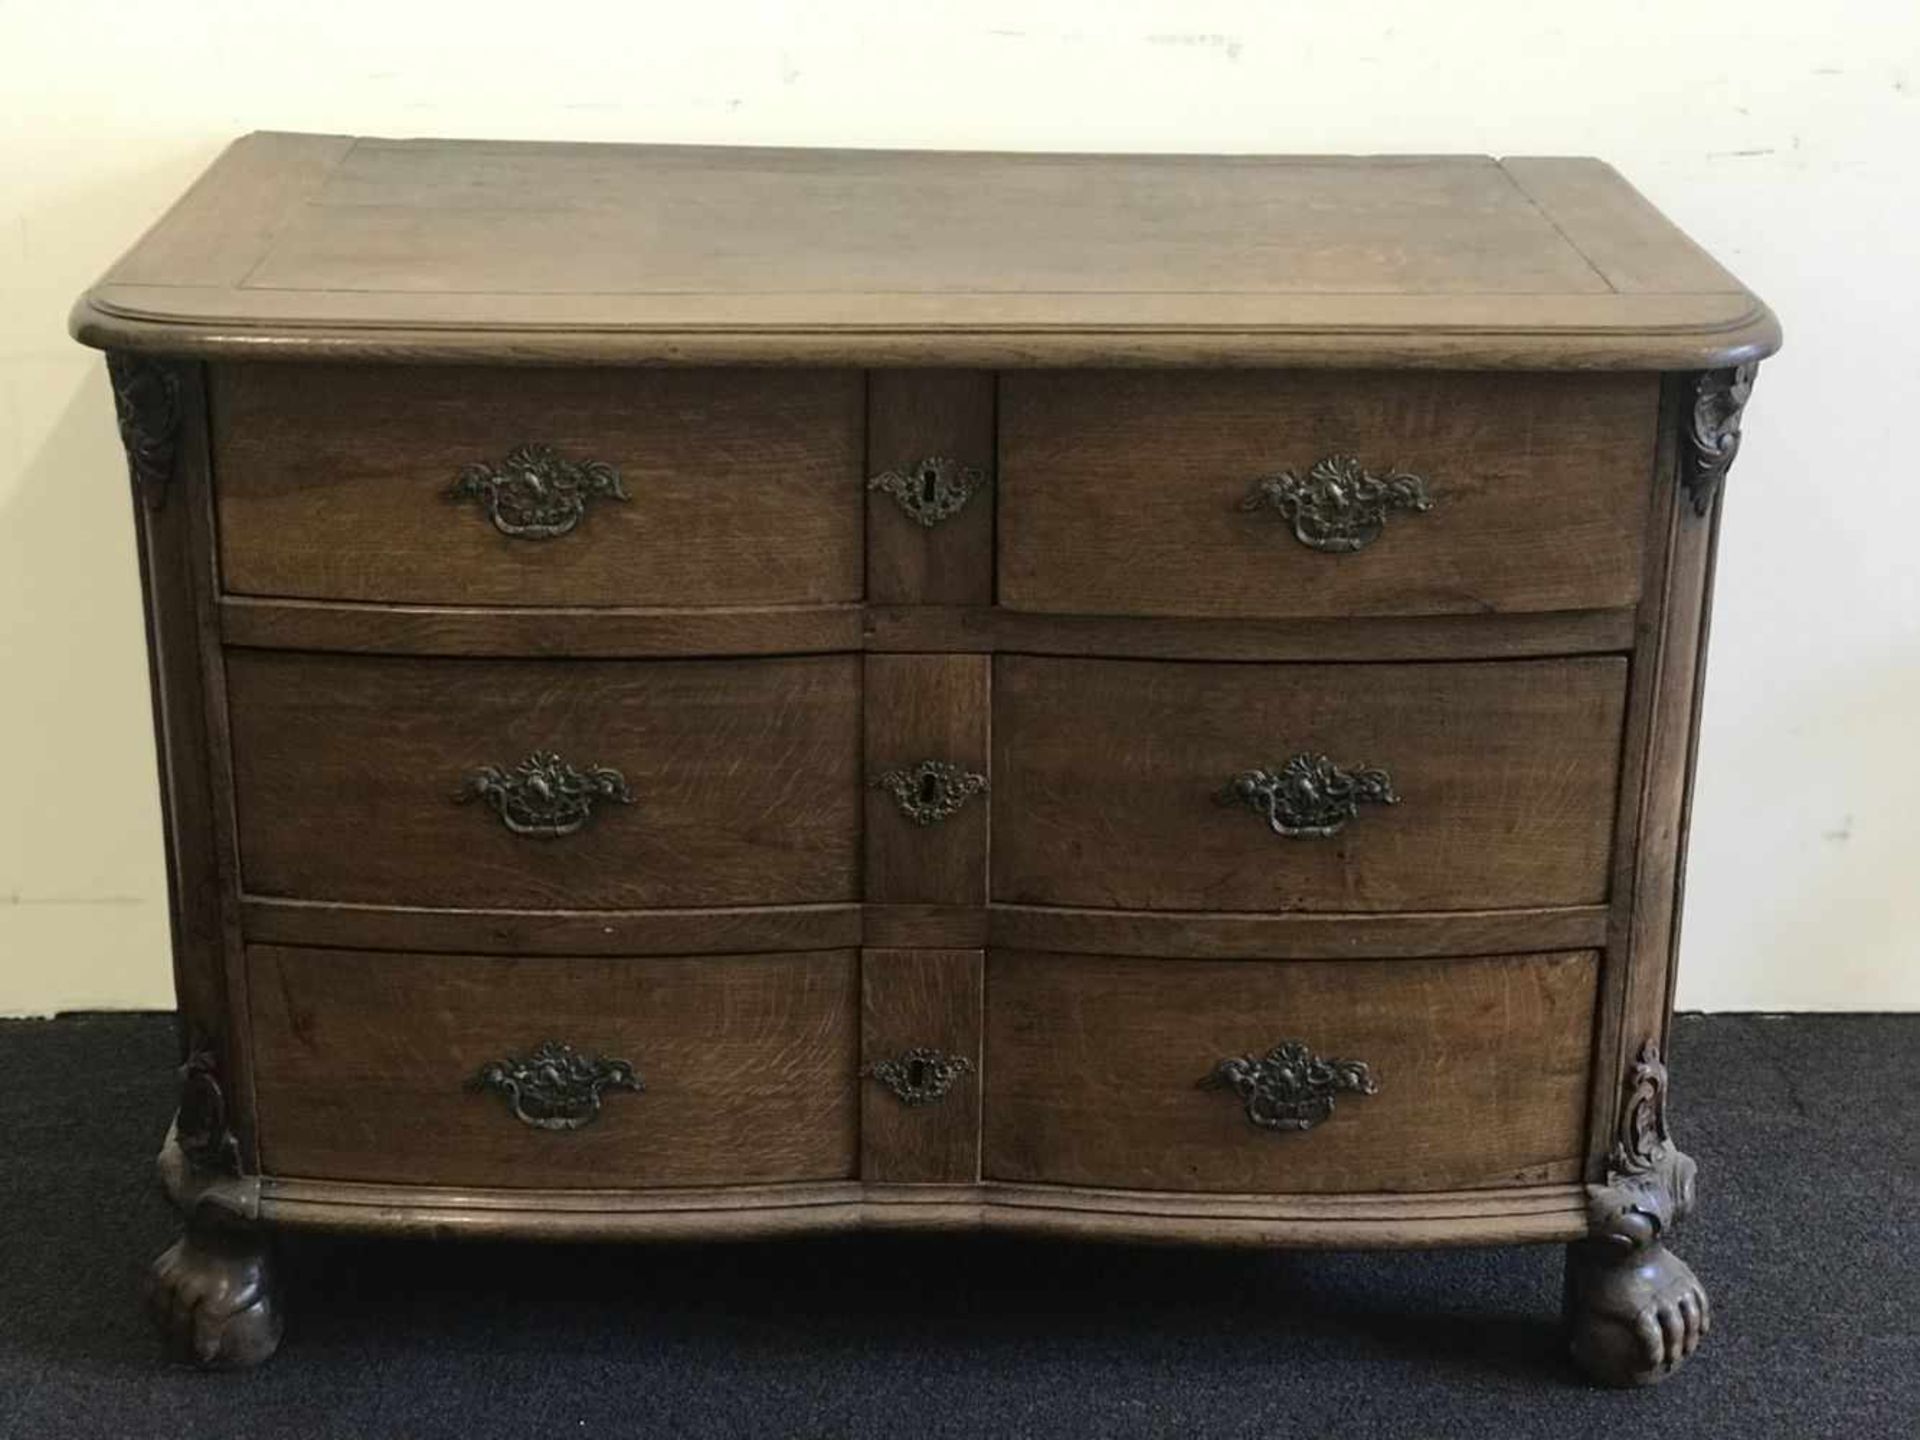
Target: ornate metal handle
(556, 1087)
(1339, 505)
(543, 796)
(1289, 1087)
(535, 494)
(931, 790)
(1309, 797)
(919, 1076)
(936, 489)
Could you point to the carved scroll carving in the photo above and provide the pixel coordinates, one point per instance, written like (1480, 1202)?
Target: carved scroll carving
(1713, 431)
(146, 400)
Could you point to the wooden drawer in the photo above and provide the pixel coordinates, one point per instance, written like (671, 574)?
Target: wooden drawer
(1479, 1066)
(366, 1067)
(1113, 784)
(740, 487)
(355, 779)
(1124, 493)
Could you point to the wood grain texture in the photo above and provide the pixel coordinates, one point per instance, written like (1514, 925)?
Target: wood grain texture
(743, 486)
(364, 1063)
(920, 999)
(1121, 492)
(1107, 775)
(1256, 935)
(1093, 1067)
(980, 630)
(580, 632)
(1516, 1215)
(612, 254)
(912, 416)
(926, 707)
(745, 776)
(741, 929)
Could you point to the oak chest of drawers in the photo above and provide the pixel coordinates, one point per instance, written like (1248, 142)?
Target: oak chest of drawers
(725, 692)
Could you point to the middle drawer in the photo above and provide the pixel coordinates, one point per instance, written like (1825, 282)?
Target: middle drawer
(538, 784)
(1360, 787)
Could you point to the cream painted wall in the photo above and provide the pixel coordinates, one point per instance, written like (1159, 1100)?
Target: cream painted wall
(1780, 134)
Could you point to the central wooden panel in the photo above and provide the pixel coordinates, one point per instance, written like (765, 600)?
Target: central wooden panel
(745, 777)
(364, 1066)
(1109, 778)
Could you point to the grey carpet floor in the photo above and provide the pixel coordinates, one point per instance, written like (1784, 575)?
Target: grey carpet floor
(1807, 1131)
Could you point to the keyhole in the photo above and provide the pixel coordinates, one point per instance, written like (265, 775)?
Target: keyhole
(929, 789)
(929, 479)
(917, 1073)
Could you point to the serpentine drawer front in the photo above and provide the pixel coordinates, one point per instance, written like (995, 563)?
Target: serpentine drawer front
(546, 784)
(1157, 786)
(546, 487)
(1245, 1076)
(719, 692)
(427, 1068)
(1332, 493)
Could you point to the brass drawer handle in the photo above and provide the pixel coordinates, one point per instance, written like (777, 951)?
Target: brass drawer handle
(1289, 1087)
(1309, 797)
(935, 489)
(543, 796)
(919, 1076)
(535, 494)
(1339, 506)
(556, 1087)
(930, 791)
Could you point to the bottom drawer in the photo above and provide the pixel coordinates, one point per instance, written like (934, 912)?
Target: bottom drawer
(368, 1067)
(1477, 1070)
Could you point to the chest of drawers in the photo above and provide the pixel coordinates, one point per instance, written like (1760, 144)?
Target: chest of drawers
(731, 692)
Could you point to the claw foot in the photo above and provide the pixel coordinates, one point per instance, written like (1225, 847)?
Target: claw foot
(213, 1295)
(1634, 1314)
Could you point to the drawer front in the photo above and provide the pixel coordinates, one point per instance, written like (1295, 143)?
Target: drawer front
(426, 1069)
(658, 487)
(1164, 785)
(1142, 494)
(1163, 1075)
(547, 784)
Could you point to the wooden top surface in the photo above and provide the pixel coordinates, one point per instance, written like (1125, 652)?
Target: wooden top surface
(316, 246)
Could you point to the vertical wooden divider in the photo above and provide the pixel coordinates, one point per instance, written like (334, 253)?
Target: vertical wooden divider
(919, 1032)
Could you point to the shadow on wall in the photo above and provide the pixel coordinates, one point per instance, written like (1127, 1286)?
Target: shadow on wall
(1846, 830)
(82, 874)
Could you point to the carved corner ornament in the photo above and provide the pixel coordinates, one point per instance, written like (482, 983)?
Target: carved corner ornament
(1635, 1310)
(1713, 431)
(146, 401)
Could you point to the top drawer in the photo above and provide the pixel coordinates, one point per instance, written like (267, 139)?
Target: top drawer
(738, 487)
(1141, 493)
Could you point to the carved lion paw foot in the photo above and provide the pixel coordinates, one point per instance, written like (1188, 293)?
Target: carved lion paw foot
(214, 1299)
(1634, 1316)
